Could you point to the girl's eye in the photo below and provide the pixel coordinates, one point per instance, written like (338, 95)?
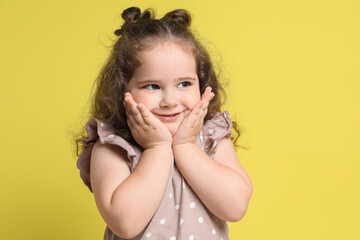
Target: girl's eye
(151, 86)
(184, 84)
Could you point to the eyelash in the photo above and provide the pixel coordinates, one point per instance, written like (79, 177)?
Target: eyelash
(155, 86)
(151, 86)
(187, 84)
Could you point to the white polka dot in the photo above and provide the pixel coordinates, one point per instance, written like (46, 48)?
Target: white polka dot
(202, 148)
(181, 221)
(102, 124)
(211, 131)
(201, 137)
(213, 231)
(173, 238)
(171, 195)
(162, 221)
(177, 206)
(215, 143)
(200, 220)
(191, 237)
(218, 120)
(111, 136)
(192, 204)
(183, 184)
(148, 234)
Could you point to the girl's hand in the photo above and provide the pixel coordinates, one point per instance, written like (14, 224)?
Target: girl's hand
(147, 130)
(193, 122)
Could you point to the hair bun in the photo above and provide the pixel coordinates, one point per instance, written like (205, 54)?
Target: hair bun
(131, 15)
(179, 15)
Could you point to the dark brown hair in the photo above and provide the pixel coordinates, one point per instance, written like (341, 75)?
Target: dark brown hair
(139, 32)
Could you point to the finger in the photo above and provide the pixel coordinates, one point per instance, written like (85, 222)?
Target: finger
(134, 118)
(194, 115)
(205, 98)
(128, 112)
(135, 110)
(127, 102)
(200, 114)
(203, 103)
(126, 107)
(204, 111)
(206, 101)
(135, 114)
(130, 106)
(197, 108)
(128, 118)
(146, 114)
(207, 95)
(129, 115)
(206, 92)
(199, 111)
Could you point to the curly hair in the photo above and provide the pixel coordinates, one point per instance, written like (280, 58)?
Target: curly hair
(139, 32)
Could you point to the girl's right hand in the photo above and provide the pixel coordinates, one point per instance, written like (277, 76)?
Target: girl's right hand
(147, 130)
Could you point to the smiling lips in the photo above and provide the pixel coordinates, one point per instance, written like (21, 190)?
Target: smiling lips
(168, 117)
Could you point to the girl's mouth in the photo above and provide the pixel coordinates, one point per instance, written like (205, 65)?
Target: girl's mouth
(168, 117)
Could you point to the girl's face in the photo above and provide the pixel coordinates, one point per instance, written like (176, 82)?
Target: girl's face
(166, 82)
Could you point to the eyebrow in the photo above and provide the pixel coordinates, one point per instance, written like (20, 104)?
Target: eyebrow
(146, 81)
(187, 78)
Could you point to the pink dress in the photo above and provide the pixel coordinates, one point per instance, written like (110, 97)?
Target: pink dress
(181, 214)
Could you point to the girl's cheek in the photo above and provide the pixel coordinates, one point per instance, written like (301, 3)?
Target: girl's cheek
(190, 98)
(146, 99)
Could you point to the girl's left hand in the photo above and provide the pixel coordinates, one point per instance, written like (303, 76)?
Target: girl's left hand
(193, 122)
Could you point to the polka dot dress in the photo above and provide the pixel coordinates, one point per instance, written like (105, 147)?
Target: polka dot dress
(181, 214)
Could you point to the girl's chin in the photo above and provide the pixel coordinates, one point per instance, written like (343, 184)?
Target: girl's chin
(172, 129)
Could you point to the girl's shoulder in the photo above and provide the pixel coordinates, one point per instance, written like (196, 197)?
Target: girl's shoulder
(103, 132)
(214, 130)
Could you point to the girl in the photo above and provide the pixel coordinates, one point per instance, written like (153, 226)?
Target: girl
(158, 156)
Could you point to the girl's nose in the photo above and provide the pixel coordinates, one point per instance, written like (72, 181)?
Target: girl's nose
(169, 99)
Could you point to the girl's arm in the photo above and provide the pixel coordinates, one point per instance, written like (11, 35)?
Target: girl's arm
(127, 201)
(222, 184)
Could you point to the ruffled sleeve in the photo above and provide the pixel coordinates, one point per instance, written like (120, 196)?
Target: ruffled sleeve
(104, 132)
(214, 130)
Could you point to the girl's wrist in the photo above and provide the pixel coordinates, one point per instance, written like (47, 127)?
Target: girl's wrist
(159, 144)
(160, 147)
(183, 147)
(183, 142)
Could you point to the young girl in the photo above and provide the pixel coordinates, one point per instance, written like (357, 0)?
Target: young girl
(158, 156)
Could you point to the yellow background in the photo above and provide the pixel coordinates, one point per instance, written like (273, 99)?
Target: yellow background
(293, 69)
